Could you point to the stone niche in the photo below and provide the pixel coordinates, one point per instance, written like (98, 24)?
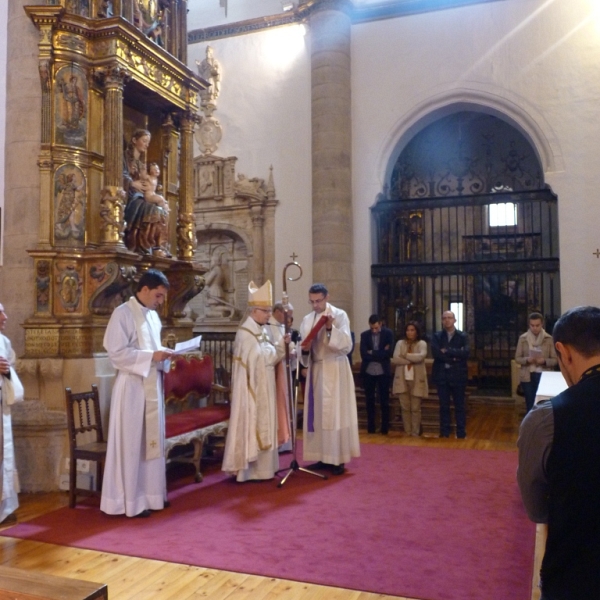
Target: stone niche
(235, 232)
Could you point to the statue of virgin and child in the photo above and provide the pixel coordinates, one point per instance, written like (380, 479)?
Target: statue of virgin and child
(146, 211)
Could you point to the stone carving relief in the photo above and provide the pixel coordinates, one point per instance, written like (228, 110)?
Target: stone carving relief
(209, 131)
(210, 70)
(225, 256)
(250, 187)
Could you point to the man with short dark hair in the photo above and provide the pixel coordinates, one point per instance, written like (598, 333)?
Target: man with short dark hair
(376, 348)
(450, 349)
(134, 481)
(330, 421)
(559, 454)
(535, 353)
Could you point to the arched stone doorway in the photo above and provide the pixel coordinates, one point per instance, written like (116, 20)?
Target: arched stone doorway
(467, 223)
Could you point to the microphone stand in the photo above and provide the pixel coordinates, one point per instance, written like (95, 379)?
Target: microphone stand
(292, 388)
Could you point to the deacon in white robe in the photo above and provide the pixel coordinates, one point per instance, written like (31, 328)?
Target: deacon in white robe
(330, 432)
(134, 480)
(11, 391)
(251, 444)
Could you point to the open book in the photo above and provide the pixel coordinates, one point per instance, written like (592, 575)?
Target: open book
(314, 331)
(188, 346)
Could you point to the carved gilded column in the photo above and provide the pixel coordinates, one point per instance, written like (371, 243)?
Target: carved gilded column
(112, 198)
(186, 238)
(330, 27)
(258, 242)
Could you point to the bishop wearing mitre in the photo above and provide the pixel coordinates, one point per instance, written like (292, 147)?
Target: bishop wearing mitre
(251, 445)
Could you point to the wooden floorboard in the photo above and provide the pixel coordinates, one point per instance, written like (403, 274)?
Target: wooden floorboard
(489, 427)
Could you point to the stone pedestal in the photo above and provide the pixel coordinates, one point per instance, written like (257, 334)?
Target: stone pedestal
(40, 437)
(40, 422)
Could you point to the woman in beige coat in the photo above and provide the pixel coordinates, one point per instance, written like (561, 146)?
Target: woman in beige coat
(410, 379)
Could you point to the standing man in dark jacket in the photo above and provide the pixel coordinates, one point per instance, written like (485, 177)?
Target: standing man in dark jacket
(450, 349)
(559, 453)
(376, 348)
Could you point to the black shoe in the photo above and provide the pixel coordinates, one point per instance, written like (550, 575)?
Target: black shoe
(319, 466)
(461, 436)
(338, 469)
(144, 514)
(444, 435)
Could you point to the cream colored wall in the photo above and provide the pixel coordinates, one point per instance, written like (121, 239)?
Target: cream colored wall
(3, 35)
(533, 60)
(264, 109)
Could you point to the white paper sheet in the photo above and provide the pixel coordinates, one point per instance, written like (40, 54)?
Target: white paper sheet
(188, 346)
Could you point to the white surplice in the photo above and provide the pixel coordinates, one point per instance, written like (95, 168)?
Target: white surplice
(132, 483)
(251, 445)
(335, 436)
(11, 391)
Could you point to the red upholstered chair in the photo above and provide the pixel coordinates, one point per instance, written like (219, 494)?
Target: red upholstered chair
(189, 380)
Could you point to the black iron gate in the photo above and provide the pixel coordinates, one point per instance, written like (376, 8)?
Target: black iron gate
(491, 258)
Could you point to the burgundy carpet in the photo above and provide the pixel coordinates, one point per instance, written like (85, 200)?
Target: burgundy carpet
(437, 524)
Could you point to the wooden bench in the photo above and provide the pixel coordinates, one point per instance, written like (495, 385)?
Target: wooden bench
(189, 380)
(20, 584)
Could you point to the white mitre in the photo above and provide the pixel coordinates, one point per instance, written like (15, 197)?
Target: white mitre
(260, 297)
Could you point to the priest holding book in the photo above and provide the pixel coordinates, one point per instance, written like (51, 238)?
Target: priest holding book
(330, 433)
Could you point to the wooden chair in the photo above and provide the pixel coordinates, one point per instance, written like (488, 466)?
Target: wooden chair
(86, 440)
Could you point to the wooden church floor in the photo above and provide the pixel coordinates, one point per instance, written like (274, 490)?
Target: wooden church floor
(489, 427)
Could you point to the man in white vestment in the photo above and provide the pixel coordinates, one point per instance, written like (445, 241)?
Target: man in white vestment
(134, 481)
(251, 444)
(330, 417)
(11, 391)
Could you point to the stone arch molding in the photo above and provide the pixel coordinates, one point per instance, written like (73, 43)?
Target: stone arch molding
(514, 111)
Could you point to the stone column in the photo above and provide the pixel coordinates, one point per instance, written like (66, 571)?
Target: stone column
(21, 213)
(258, 243)
(331, 150)
(186, 235)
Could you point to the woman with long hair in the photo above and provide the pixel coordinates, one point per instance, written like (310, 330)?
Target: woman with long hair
(410, 379)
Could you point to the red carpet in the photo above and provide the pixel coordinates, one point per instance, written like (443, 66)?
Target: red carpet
(429, 523)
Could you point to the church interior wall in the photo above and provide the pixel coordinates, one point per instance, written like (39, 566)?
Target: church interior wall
(264, 110)
(22, 126)
(537, 58)
(541, 57)
(3, 48)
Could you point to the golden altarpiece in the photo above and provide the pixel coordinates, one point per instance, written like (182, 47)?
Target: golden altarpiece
(110, 71)
(119, 108)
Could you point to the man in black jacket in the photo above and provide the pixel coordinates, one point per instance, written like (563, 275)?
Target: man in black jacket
(376, 348)
(450, 349)
(559, 454)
